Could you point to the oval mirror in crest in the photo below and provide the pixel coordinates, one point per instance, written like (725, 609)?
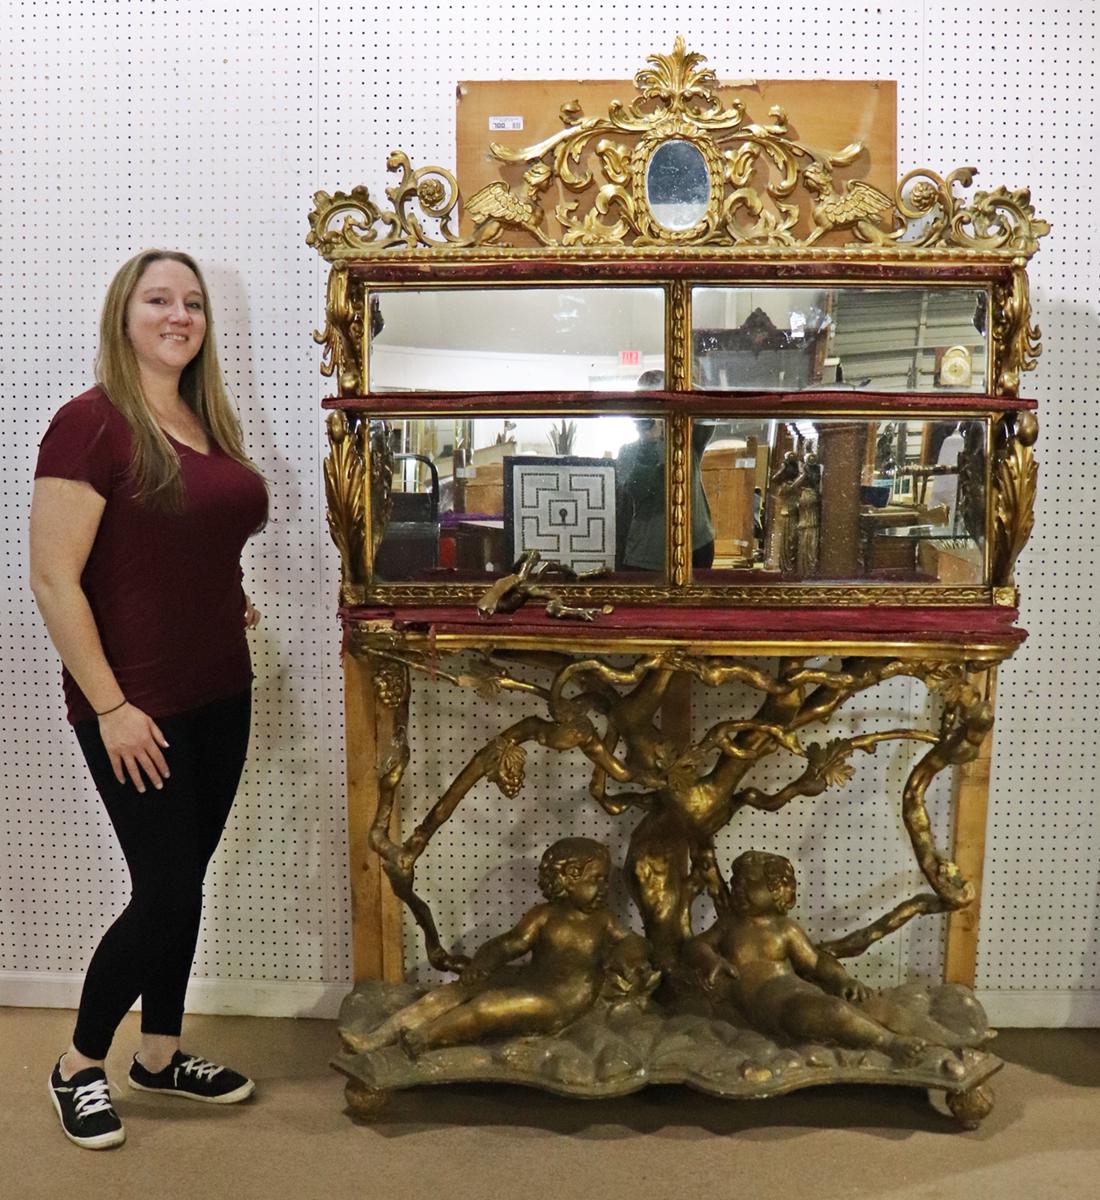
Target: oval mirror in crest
(677, 184)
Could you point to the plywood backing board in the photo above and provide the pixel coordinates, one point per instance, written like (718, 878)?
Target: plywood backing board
(827, 115)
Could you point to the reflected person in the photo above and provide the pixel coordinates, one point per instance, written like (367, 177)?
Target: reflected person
(641, 520)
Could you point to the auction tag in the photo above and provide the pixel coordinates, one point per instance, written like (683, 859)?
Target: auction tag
(505, 124)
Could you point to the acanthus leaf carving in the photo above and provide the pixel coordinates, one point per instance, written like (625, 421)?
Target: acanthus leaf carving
(602, 160)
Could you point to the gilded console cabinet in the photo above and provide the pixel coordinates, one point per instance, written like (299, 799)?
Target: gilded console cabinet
(863, 515)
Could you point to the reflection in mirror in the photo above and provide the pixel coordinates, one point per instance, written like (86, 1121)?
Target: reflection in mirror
(677, 184)
(472, 495)
(843, 500)
(516, 339)
(897, 339)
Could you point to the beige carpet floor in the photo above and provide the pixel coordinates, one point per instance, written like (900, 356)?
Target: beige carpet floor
(295, 1140)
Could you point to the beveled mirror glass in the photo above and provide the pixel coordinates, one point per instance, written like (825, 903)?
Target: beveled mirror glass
(839, 500)
(574, 339)
(894, 339)
(677, 184)
(471, 495)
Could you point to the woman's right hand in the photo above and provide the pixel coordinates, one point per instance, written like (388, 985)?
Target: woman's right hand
(133, 742)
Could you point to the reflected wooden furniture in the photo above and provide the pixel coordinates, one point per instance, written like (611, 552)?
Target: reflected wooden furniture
(729, 475)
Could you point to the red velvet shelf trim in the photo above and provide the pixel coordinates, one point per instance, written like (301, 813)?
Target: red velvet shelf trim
(420, 268)
(940, 624)
(699, 402)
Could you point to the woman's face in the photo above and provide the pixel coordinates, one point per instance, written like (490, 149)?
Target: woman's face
(165, 318)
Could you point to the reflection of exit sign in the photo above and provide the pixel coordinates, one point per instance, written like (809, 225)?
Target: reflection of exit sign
(630, 358)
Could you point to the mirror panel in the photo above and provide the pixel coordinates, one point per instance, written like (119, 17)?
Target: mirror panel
(574, 339)
(472, 495)
(677, 184)
(839, 500)
(895, 339)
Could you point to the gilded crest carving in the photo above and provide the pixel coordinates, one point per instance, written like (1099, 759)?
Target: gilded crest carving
(765, 188)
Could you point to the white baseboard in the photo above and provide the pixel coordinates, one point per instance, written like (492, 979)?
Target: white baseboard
(1042, 1010)
(227, 997)
(264, 998)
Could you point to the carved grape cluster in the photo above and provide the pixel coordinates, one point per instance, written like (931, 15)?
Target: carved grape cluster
(508, 766)
(391, 683)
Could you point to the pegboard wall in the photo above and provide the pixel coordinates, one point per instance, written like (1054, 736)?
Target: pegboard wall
(131, 123)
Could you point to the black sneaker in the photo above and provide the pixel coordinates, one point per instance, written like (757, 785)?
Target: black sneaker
(83, 1104)
(193, 1077)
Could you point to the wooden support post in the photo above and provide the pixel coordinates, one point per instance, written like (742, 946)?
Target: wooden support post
(375, 910)
(971, 812)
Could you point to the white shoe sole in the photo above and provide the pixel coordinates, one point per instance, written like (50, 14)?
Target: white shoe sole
(234, 1097)
(102, 1141)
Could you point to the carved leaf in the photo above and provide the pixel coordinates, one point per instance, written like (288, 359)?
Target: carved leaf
(508, 768)
(615, 159)
(1016, 483)
(482, 678)
(847, 156)
(837, 773)
(829, 763)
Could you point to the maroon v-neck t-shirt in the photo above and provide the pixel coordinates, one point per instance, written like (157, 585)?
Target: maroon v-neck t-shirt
(164, 588)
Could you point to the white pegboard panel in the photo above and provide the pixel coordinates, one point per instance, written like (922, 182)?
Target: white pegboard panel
(409, 93)
(128, 123)
(849, 847)
(1038, 126)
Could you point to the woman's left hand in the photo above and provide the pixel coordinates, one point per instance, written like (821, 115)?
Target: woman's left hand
(251, 614)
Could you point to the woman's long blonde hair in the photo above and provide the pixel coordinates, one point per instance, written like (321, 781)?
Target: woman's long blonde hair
(155, 466)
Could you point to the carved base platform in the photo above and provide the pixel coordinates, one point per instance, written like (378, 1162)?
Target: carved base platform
(617, 1050)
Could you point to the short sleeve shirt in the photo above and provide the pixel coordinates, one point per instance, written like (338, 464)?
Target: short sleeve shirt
(164, 588)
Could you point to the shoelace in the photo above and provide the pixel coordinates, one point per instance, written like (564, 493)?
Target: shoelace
(92, 1098)
(200, 1068)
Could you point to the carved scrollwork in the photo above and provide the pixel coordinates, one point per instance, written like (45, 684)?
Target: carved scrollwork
(1015, 480)
(766, 188)
(1017, 339)
(342, 336)
(679, 99)
(997, 220)
(358, 229)
(365, 227)
(345, 473)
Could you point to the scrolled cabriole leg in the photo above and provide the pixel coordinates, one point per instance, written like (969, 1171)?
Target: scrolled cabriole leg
(971, 1107)
(365, 1103)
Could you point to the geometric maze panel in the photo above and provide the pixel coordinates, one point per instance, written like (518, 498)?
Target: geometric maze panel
(564, 508)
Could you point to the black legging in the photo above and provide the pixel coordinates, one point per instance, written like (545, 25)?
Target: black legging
(167, 837)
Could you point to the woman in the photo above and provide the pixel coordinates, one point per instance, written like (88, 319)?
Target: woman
(640, 489)
(143, 500)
